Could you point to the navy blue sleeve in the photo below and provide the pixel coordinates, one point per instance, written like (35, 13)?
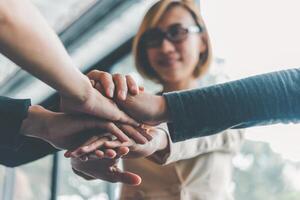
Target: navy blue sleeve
(259, 100)
(12, 113)
(31, 149)
(16, 149)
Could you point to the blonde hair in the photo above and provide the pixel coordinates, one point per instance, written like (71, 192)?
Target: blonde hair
(151, 20)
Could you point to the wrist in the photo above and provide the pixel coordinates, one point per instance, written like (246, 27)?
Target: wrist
(33, 124)
(162, 113)
(86, 90)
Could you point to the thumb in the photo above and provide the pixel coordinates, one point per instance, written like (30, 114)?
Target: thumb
(127, 177)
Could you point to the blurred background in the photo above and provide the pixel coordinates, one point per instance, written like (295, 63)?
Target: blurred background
(248, 38)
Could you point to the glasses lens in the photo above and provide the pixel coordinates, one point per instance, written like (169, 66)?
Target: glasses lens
(153, 38)
(176, 33)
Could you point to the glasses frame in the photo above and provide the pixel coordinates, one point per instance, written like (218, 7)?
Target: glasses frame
(166, 35)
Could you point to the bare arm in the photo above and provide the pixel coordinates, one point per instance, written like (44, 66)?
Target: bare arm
(28, 40)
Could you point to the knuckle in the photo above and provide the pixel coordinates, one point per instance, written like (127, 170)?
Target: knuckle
(93, 72)
(128, 77)
(118, 77)
(105, 75)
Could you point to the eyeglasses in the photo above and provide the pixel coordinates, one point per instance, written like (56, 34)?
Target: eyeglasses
(175, 33)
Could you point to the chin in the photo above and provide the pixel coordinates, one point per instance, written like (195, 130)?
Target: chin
(173, 78)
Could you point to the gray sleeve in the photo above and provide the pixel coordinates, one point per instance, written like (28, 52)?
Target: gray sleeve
(259, 100)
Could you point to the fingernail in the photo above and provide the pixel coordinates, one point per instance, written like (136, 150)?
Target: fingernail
(111, 92)
(93, 82)
(135, 90)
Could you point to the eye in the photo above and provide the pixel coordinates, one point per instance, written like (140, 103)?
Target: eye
(176, 31)
(153, 37)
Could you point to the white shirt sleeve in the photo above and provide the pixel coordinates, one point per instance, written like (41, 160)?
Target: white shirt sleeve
(228, 141)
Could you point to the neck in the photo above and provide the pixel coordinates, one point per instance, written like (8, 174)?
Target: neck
(180, 85)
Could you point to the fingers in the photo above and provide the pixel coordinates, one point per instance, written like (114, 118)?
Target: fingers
(122, 151)
(141, 89)
(110, 153)
(99, 87)
(125, 177)
(112, 144)
(121, 86)
(82, 123)
(131, 85)
(105, 80)
(98, 150)
(110, 84)
(124, 118)
(130, 178)
(145, 132)
(111, 128)
(91, 145)
(133, 134)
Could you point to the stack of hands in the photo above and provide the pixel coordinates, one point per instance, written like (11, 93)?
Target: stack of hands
(115, 121)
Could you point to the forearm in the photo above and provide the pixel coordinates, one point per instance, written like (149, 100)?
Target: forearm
(28, 40)
(259, 100)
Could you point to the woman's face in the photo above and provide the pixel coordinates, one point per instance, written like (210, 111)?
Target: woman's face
(176, 61)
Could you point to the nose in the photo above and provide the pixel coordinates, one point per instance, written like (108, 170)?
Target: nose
(167, 46)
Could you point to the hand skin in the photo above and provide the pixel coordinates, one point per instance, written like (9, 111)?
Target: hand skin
(97, 105)
(159, 143)
(113, 86)
(104, 169)
(147, 108)
(102, 147)
(90, 146)
(64, 131)
(93, 145)
(28, 40)
(118, 87)
(103, 165)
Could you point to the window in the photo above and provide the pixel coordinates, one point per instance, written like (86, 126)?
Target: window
(2, 177)
(254, 37)
(71, 186)
(33, 181)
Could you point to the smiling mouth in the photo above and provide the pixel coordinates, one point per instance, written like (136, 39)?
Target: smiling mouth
(168, 62)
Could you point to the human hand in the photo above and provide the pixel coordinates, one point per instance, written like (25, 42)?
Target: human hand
(99, 147)
(142, 106)
(114, 85)
(65, 131)
(147, 108)
(98, 105)
(159, 142)
(104, 169)
(95, 146)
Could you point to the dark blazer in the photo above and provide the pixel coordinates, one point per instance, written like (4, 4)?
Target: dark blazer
(16, 149)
